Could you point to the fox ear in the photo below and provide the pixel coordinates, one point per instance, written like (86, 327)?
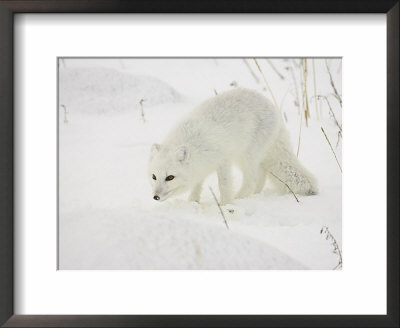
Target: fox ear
(155, 148)
(182, 154)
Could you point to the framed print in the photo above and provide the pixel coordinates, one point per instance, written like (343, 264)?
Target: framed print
(183, 192)
(213, 164)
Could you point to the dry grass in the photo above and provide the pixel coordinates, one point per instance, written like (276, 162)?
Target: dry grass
(283, 100)
(219, 206)
(266, 84)
(339, 137)
(290, 189)
(336, 94)
(305, 95)
(297, 98)
(299, 140)
(291, 69)
(315, 91)
(65, 114)
(275, 69)
(251, 71)
(330, 145)
(333, 114)
(336, 248)
(142, 109)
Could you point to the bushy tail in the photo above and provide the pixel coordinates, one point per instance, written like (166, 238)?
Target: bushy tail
(283, 167)
(296, 176)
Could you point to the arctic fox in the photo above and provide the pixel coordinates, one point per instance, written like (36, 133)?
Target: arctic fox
(239, 127)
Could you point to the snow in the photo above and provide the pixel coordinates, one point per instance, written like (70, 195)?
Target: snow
(107, 217)
(111, 90)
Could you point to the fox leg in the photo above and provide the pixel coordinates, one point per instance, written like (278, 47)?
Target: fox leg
(249, 179)
(196, 191)
(225, 183)
(261, 177)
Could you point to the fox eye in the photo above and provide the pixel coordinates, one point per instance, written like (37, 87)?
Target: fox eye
(169, 178)
(154, 177)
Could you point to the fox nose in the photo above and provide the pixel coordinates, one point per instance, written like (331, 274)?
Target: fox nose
(156, 197)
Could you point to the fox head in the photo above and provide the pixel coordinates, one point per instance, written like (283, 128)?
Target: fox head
(168, 171)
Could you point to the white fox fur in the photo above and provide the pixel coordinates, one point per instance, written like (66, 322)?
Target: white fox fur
(236, 127)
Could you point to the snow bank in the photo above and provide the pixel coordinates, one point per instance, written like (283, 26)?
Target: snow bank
(106, 90)
(144, 240)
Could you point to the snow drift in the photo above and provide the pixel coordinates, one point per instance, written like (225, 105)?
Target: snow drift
(106, 90)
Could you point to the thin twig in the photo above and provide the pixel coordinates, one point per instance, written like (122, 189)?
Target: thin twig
(290, 189)
(315, 90)
(323, 131)
(283, 99)
(251, 71)
(337, 98)
(215, 92)
(298, 65)
(333, 114)
(330, 110)
(65, 113)
(219, 206)
(266, 83)
(275, 69)
(141, 107)
(339, 136)
(305, 96)
(297, 101)
(336, 248)
(333, 84)
(298, 143)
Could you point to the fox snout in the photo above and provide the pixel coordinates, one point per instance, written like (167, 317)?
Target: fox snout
(161, 194)
(157, 193)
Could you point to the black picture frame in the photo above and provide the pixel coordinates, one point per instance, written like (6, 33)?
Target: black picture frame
(10, 7)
